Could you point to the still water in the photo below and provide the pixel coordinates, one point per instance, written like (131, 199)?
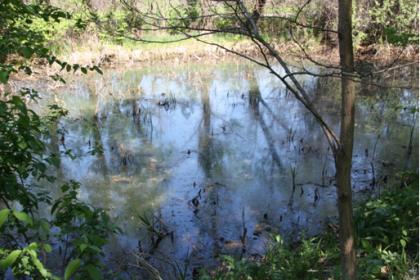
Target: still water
(206, 150)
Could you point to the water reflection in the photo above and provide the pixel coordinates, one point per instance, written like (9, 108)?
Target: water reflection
(208, 150)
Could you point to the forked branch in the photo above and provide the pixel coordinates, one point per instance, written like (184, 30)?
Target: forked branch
(249, 28)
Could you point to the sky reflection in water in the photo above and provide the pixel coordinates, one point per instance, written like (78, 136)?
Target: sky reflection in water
(228, 135)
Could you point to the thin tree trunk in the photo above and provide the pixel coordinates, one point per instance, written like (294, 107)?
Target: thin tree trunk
(344, 154)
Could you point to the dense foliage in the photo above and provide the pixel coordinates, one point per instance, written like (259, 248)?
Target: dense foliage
(26, 165)
(374, 22)
(387, 231)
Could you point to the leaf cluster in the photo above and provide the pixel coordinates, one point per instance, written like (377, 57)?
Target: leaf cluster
(387, 230)
(19, 37)
(401, 38)
(25, 162)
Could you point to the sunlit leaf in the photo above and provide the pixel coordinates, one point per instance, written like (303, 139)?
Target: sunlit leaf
(11, 258)
(47, 247)
(3, 216)
(40, 267)
(22, 216)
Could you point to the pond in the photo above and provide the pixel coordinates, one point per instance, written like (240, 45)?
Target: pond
(205, 150)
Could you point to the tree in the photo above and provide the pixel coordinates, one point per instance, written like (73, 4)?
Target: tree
(25, 160)
(342, 146)
(344, 152)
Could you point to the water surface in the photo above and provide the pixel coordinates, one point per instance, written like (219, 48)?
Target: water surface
(209, 149)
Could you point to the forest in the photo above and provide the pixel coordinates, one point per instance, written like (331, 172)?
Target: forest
(200, 139)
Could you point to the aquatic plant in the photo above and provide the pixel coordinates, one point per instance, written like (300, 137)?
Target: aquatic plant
(294, 174)
(126, 156)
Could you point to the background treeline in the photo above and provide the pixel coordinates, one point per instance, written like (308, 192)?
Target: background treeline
(110, 21)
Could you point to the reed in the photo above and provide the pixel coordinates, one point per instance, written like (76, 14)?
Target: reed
(294, 174)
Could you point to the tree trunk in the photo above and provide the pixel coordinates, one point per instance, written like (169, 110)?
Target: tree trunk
(344, 153)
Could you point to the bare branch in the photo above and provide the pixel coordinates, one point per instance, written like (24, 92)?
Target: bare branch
(249, 17)
(392, 68)
(301, 9)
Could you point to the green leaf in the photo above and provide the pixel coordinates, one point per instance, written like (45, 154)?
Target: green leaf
(47, 247)
(83, 69)
(81, 216)
(42, 167)
(23, 145)
(105, 217)
(366, 245)
(44, 226)
(40, 267)
(96, 248)
(403, 242)
(98, 70)
(54, 161)
(78, 242)
(94, 272)
(83, 247)
(68, 68)
(34, 145)
(24, 261)
(63, 65)
(97, 240)
(21, 169)
(65, 188)
(72, 268)
(390, 31)
(55, 205)
(4, 76)
(16, 101)
(27, 52)
(3, 216)
(22, 216)
(11, 258)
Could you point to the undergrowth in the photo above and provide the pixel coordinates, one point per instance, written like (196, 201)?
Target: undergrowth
(386, 232)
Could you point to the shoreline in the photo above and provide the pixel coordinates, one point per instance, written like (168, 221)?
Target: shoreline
(109, 56)
(112, 56)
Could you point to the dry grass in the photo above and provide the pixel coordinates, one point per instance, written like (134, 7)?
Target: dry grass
(94, 52)
(131, 53)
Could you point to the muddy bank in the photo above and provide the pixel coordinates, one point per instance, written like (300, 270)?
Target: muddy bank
(193, 51)
(196, 52)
